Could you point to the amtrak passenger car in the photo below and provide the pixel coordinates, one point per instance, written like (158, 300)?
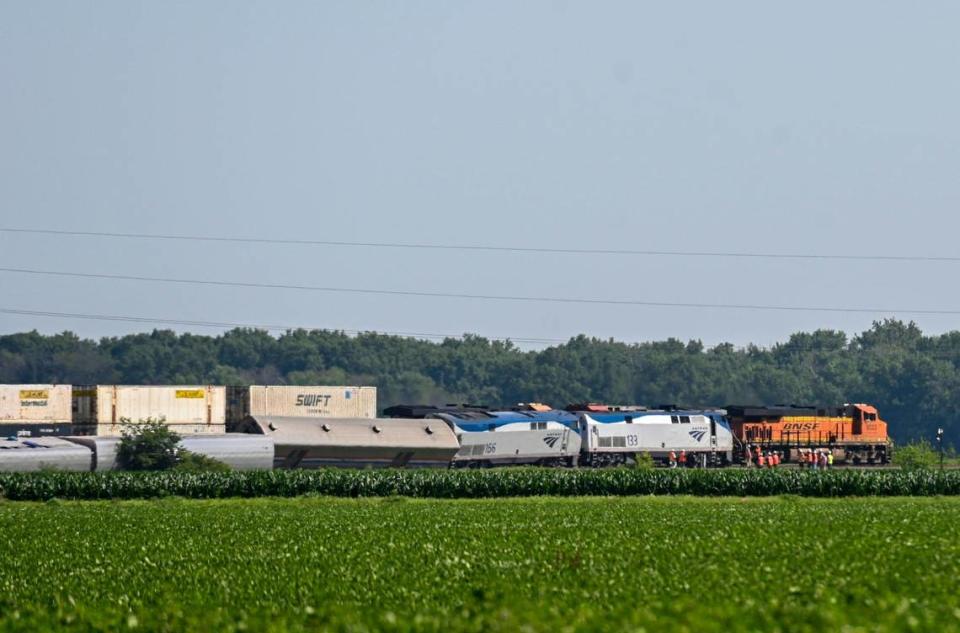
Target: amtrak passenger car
(615, 438)
(494, 438)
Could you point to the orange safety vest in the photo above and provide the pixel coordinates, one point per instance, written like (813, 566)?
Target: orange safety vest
(673, 456)
(683, 457)
(760, 460)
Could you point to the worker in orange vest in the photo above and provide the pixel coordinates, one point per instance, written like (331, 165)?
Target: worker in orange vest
(759, 457)
(683, 458)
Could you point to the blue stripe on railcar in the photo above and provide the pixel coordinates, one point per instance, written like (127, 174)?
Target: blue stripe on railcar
(622, 416)
(498, 419)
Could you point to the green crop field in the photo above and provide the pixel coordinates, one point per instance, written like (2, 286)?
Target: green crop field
(550, 564)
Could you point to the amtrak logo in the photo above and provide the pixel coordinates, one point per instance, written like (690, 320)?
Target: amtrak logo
(697, 435)
(551, 440)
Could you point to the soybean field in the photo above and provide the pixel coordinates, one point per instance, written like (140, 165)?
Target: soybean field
(543, 564)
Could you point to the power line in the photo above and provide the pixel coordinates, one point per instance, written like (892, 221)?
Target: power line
(257, 326)
(494, 249)
(511, 298)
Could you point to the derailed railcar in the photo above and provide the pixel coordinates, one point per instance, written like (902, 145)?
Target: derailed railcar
(610, 439)
(236, 450)
(352, 442)
(43, 453)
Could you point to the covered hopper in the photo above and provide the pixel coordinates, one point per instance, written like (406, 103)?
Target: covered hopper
(301, 442)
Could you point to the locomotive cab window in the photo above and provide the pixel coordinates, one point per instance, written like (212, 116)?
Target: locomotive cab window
(684, 419)
(538, 426)
(674, 419)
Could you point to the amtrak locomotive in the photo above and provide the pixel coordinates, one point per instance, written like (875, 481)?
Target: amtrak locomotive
(703, 436)
(549, 437)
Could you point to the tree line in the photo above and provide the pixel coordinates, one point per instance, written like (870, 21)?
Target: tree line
(913, 379)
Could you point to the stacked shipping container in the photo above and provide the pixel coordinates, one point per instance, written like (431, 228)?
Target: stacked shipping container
(34, 410)
(102, 410)
(301, 402)
(186, 409)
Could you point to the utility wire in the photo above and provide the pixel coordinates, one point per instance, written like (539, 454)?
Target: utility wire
(511, 298)
(257, 326)
(494, 249)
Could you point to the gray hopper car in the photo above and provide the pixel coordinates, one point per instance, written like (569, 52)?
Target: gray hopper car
(352, 442)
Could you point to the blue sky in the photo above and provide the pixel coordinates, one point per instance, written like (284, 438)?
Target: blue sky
(812, 127)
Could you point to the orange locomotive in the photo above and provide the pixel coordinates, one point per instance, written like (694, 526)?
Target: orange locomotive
(854, 432)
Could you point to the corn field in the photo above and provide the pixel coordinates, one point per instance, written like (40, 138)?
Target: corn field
(460, 484)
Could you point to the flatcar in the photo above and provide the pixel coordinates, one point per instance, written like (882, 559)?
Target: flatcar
(854, 433)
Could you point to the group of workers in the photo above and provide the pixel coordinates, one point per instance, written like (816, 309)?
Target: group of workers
(675, 460)
(768, 459)
(817, 459)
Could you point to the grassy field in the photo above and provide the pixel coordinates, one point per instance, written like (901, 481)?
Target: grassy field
(671, 563)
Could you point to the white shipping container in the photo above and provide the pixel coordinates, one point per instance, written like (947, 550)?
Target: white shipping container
(183, 430)
(176, 404)
(35, 403)
(302, 402)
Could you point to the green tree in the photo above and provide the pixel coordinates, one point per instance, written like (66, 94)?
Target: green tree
(147, 445)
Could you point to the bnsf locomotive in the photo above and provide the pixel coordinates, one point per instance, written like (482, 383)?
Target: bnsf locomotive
(854, 432)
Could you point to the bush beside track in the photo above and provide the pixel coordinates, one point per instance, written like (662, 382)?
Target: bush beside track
(461, 484)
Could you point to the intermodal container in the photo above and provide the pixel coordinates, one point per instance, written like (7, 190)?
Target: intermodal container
(301, 402)
(187, 406)
(116, 430)
(34, 410)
